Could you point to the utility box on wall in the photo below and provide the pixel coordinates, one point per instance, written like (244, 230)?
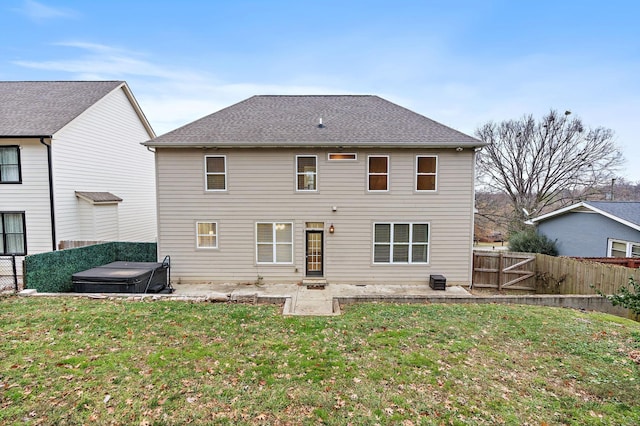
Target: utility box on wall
(437, 282)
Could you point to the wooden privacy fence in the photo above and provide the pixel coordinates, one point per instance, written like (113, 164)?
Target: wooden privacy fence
(563, 275)
(547, 274)
(504, 270)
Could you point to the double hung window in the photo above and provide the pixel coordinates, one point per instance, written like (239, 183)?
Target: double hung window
(216, 172)
(426, 172)
(274, 242)
(401, 243)
(10, 164)
(618, 248)
(207, 234)
(307, 172)
(12, 234)
(378, 173)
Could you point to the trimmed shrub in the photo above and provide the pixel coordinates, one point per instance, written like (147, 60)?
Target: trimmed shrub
(51, 272)
(529, 241)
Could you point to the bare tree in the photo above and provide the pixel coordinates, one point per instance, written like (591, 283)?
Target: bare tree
(545, 162)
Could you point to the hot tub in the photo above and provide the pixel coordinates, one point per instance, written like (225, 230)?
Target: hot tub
(124, 277)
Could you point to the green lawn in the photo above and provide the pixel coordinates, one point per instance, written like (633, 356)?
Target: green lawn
(80, 361)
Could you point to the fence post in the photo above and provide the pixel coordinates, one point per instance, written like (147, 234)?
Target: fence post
(15, 272)
(500, 271)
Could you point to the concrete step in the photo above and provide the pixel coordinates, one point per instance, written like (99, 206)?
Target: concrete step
(314, 282)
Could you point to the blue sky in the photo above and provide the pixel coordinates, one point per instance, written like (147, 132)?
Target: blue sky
(461, 63)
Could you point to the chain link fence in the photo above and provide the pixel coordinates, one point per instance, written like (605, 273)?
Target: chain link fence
(8, 274)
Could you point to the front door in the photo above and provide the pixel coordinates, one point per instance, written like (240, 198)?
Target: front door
(314, 253)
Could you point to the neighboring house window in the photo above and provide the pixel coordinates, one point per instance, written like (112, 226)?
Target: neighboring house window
(12, 234)
(426, 172)
(10, 164)
(378, 172)
(401, 243)
(207, 234)
(274, 242)
(306, 172)
(619, 248)
(340, 156)
(216, 172)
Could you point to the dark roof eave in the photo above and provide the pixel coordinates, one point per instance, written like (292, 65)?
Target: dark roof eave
(25, 136)
(252, 145)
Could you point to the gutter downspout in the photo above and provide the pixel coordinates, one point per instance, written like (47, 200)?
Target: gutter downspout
(51, 205)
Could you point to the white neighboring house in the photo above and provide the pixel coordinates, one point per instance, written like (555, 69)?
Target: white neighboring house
(72, 167)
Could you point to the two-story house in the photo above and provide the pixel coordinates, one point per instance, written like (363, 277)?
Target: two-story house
(348, 189)
(72, 167)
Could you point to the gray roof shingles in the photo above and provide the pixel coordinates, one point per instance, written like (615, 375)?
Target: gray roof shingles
(353, 120)
(625, 210)
(41, 108)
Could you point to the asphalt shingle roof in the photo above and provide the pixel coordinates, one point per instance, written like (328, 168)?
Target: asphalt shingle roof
(294, 121)
(625, 210)
(41, 108)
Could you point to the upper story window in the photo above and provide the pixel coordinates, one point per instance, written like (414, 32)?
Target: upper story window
(207, 234)
(216, 172)
(426, 172)
(378, 173)
(307, 172)
(10, 164)
(342, 156)
(12, 234)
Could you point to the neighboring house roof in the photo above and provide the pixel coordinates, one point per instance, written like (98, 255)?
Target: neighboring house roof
(330, 120)
(98, 197)
(42, 108)
(625, 212)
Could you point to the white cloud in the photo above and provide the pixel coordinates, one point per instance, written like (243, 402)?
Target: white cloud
(37, 11)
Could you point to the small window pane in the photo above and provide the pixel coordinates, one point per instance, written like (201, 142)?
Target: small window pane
(420, 233)
(635, 251)
(618, 249)
(426, 164)
(378, 183)
(419, 253)
(306, 164)
(265, 233)
(383, 233)
(283, 253)
(426, 183)
(215, 165)
(283, 233)
(401, 253)
(265, 253)
(401, 233)
(377, 164)
(216, 182)
(206, 241)
(382, 253)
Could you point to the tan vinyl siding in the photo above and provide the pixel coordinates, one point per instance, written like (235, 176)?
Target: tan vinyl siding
(261, 187)
(100, 151)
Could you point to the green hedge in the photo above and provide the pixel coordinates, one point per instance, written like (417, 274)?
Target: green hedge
(51, 272)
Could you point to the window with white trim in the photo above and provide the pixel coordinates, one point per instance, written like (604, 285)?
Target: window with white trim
(426, 172)
(13, 234)
(306, 172)
(401, 243)
(378, 172)
(10, 164)
(206, 234)
(215, 167)
(274, 242)
(619, 248)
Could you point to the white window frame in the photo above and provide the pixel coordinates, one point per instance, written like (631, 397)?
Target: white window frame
(315, 174)
(435, 174)
(369, 174)
(629, 246)
(274, 242)
(207, 173)
(331, 154)
(391, 243)
(198, 234)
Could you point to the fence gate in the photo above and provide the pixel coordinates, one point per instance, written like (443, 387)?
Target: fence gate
(504, 270)
(8, 273)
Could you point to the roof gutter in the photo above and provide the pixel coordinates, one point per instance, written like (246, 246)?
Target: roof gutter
(458, 147)
(52, 211)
